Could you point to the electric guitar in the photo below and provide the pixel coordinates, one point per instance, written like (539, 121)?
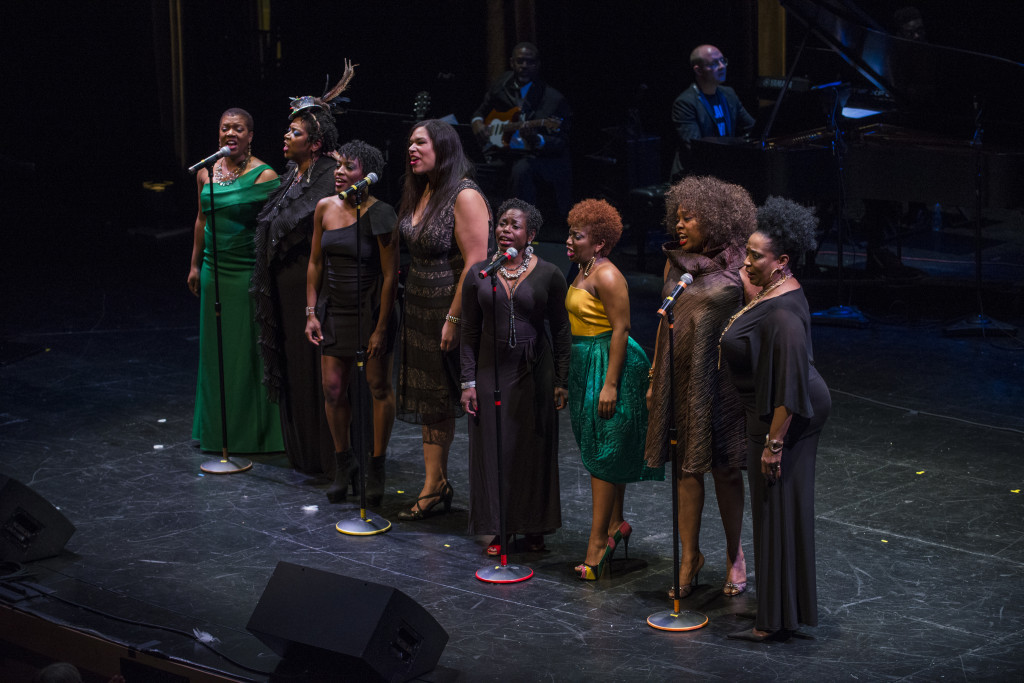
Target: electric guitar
(502, 125)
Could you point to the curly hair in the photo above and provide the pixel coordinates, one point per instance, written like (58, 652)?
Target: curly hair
(789, 227)
(320, 126)
(534, 219)
(725, 212)
(370, 158)
(603, 221)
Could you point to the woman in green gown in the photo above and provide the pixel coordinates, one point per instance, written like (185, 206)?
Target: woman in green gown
(241, 183)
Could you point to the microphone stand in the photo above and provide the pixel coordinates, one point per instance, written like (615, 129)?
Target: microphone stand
(362, 525)
(504, 572)
(224, 465)
(840, 314)
(979, 323)
(674, 619)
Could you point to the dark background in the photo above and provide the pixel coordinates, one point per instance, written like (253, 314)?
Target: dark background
(88, 119)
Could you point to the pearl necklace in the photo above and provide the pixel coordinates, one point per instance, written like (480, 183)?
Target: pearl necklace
(753, 302)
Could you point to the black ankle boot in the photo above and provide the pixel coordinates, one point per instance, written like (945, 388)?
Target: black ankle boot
(344, 466)
(375, 481)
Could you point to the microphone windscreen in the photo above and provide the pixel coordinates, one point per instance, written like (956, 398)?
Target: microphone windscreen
(687, 279)
(512, 252)
(372, 178)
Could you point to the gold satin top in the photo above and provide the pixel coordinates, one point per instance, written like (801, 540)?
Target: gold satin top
(586, 313)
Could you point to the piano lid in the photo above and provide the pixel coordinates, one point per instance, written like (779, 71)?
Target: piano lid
(923, 78)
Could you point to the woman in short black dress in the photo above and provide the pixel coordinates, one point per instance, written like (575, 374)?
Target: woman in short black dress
(359, 312)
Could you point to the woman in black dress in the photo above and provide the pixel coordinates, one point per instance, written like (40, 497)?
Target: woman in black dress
(359, 311)
(533, 374)
(767, 346)
(444, 220)
(284, 236)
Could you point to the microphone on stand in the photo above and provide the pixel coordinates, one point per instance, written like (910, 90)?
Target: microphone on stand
(683, 283)
(370, 179)
(219, 154)
(510, 254)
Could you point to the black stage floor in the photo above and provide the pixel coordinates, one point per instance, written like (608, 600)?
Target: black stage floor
(920, 537)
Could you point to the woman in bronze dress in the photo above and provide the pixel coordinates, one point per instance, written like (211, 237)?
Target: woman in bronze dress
(709, 220)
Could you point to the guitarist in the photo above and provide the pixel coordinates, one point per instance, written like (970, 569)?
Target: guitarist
(536, 152)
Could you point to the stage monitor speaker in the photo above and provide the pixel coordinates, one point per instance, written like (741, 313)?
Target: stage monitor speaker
(30, 528)
(356, 629)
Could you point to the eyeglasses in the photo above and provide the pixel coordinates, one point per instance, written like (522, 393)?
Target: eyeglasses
(721, 61)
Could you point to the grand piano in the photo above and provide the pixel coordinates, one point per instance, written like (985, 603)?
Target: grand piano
(950, 128)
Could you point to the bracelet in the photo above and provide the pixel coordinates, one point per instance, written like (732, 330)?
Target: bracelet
(310, 310)
(773, 445)
(469, 385)
(451, 318)
(650, 374)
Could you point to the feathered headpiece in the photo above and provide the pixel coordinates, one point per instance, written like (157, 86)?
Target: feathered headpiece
(306, 102)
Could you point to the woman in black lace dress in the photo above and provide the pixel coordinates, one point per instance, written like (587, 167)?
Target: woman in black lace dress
(444, 220)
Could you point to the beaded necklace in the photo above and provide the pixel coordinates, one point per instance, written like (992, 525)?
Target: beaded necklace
(753, 302)
(514, 277)
(225, 178)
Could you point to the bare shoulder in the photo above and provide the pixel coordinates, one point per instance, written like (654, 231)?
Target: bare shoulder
(267, 174)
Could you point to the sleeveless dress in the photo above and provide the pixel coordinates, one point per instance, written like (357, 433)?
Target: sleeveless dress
(344, 320)
(612, 449)
(528, 373)
(428, 379)
(253, 422)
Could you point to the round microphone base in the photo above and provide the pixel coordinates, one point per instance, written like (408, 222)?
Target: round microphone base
(504, 573)
(363, 526)
(683, 620)
(226, 466)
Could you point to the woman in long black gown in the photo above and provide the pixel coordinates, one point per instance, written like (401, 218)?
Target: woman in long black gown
(533, 375)
(284, 236)
(767, 346)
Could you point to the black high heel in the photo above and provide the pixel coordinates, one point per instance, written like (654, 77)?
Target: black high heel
(345, 468)
(444, 495)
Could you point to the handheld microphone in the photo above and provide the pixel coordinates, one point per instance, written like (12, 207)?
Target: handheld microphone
(370, 179)
(210, 160)
(509, 254)
(683, 283)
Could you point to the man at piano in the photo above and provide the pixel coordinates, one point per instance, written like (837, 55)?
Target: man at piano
(707, 108)
(523, 124)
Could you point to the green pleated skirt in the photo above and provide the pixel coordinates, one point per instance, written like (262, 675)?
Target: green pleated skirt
(612, 449)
